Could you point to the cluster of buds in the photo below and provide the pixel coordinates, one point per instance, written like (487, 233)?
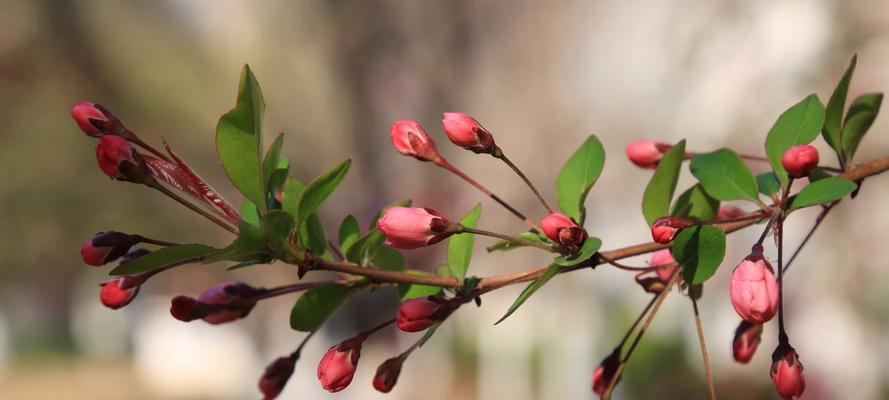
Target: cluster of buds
(410, 139)
(225, 302)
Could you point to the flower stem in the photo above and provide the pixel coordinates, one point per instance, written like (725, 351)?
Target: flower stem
(818, 221)
(498, 153)
(155, 185)
(704, 354)
(513, 239)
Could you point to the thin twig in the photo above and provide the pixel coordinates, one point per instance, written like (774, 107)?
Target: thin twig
(499, 154)
(704, 354)
(802, 244)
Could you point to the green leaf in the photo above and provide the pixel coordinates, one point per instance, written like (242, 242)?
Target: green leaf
(293, 191)
(270, 163)
(833, 117)
(817, 174)
(768, 183)
(800, 124)
(251, 244)
(313, 237)
(724, 175)
(249, 212)
(316, 305)
(590, 247)
(277, 225)
(239, 140)
(407, 291)
(389, 259)
(460, 245)
(349, 233)
(577, 177)
(548, 274)
(660, 189)
(163, 257)
(320, 189)
(861, 116)
(505, 245)
(823, 191)
(697, 204)
(366, 248)
(700, 250)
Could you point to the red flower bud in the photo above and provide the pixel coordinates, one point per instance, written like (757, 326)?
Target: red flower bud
(747, 338)
(787, 372)
(605, 372)
(410, 139)
(413, 227)
(646, 153)
(106, 247)
(728, 211)
(466, 132)
(754, 291)
(116, 157)
(225, 302)
(118, 292)
(88, 117)
(337, 367)
(387, 374)
(664, 229)
(276, 376)
(563, 230)
(799, 160)
(417, 314)
(663, 257)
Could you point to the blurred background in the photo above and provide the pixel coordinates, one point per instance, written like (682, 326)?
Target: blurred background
(335, 74)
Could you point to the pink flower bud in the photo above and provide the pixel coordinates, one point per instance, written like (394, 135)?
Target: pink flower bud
(225, 302)
(410, 139)
(728, 211)
(664, 229)
(466, 132)
(413, 227)
(787, 372)
(89, 117)
(799, 160)
(276, 376)
(663, 257)
(754, 291)
(387, 374)
(115, 156)
(747, 338)
(418, 314)
(646, 153)
(106, 247)
(337, 367)
(118, 292)
(563, 230)
(605, 372)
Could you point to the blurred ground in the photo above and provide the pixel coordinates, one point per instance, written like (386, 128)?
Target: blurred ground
(335, 74)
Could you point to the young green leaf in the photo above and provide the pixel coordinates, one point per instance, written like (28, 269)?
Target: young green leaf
(577, 177)
(163, 257)
(407, 291)
(724, 175)
(700, 250)
(349, 233)
(861, 116)
(590, 247)
(695, 203)
(548, 274)
(270, 162)
(239, 140)
(460, 245)
(249, 212)
(768, 183)
(316, 305)
(800, 124)
(251, 244)
(311, 236)
(322, 187)
(389, 259)
(833, 117)
(660, 189)
(505, 245)
(277, 224)
(823, 191)
(293, 192)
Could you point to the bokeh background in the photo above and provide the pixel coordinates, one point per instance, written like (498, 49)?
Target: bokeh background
(336, 74)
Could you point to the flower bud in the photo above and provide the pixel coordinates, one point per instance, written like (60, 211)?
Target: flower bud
(466, 132)
(563, 230)
(799, 160)
(747, 338)
(663, 257)
(664, 229)
(337, 367)
(117, 158)
(646, 153)
(413, 227)
(650, 284)
(410, 139)
(118, 292)
(387, 374)
(418, 314)
(276, 376)
(225, 302)
(728, 211)
(106, 247)
(754, 291)
(95, 120)
(605, 372)
(787, 372)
